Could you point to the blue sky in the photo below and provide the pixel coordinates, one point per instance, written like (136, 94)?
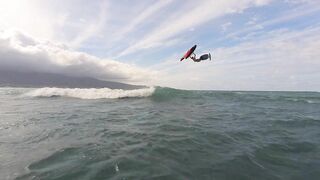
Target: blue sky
(256, 44)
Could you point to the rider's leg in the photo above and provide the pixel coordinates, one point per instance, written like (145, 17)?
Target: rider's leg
(204, 57)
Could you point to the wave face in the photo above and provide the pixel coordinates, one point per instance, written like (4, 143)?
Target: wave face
(167, 94)
(101, 93)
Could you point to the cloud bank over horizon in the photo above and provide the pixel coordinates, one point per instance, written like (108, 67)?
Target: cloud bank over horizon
(20, 52)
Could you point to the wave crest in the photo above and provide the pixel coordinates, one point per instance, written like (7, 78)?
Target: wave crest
(92, 93)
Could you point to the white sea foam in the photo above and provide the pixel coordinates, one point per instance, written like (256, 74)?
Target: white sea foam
(101, 93)
(310, 102)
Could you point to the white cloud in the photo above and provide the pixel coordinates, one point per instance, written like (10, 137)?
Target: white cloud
(189, 17)
(93, 28)
(70, 22)
(287, 16)
(225, 26)
(26, 15)
(302, 1)
(24, 53)
(143, 16)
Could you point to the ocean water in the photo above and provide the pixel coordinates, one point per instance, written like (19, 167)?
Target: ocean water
(158, 133)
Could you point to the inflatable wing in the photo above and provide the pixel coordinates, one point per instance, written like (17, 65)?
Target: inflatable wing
(188, 53)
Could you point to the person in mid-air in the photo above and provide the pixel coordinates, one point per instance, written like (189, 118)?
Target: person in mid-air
(190, 53)
(202, 57)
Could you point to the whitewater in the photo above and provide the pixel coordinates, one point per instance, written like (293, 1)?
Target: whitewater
(92, 93)
(158, 133)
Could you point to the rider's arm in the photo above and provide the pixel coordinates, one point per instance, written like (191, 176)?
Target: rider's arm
(193, 56)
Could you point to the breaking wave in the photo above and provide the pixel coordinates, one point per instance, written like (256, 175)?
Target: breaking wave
(92, 93)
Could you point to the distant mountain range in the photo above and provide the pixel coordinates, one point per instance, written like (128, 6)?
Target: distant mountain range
(36, 79)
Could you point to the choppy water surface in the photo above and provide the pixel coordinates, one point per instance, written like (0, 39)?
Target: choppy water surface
(158, 133)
